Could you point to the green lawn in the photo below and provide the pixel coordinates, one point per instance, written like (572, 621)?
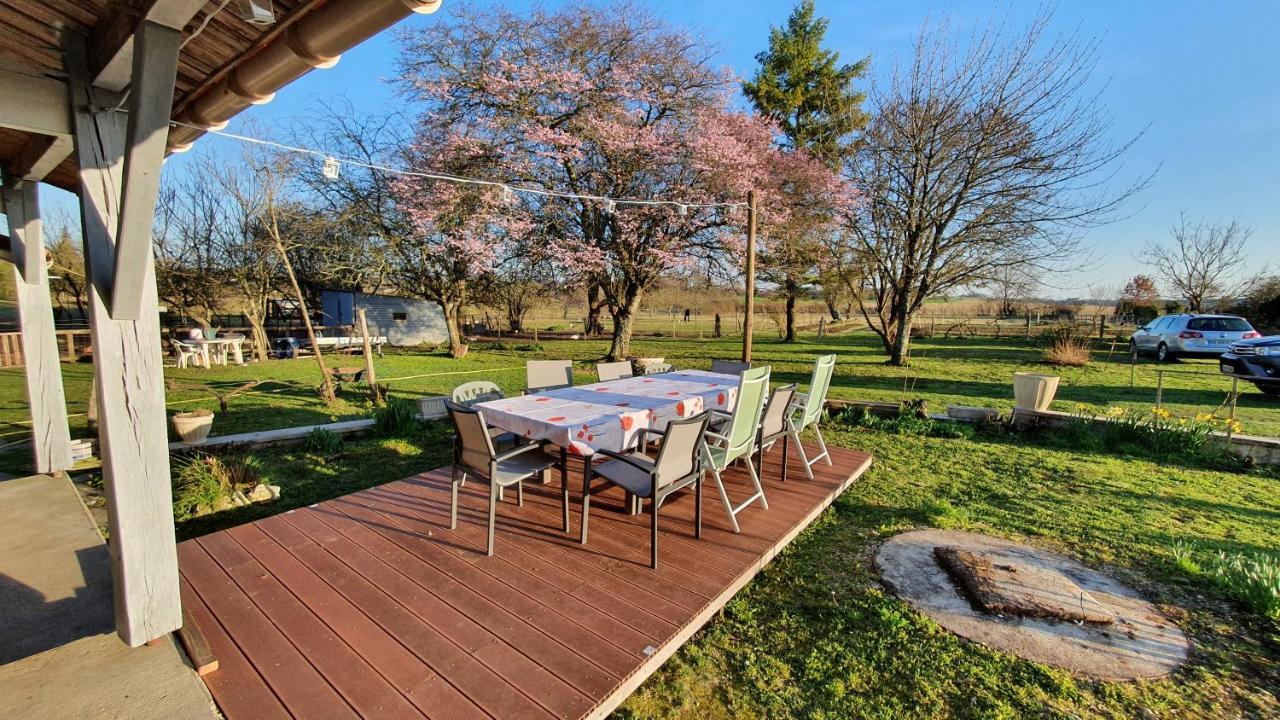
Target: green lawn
(960, 371)
(816, 635)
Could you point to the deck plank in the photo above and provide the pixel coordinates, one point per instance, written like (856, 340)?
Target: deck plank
(375, 583)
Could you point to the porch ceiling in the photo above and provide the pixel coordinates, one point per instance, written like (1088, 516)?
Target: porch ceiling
(31, 44)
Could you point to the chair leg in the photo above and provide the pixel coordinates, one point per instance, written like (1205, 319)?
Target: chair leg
(653, 533)
(564, 507)
(822, 443)
(697, 507)
(724, 495)
(520, 493)
(453, 502)
(755, 478)
(804, 457)
(586, 509)
(493, 510)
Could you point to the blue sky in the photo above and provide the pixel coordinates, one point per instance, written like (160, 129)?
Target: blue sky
(1203, 78)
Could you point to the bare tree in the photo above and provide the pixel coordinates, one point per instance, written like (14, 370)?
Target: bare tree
(263, 197)
(67, 280)
(980, 157)
(1012, 287)
(187, 232)
(1203, 261)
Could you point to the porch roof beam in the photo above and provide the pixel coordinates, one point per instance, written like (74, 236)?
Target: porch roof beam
(112, 42)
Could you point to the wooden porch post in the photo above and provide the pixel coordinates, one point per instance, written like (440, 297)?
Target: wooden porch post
(750, 309)
(50, 437)
(120, 159)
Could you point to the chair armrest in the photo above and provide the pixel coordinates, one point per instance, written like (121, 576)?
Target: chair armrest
(626, 459)
(518, 450)
(717, 436)
(714, 411)
(651, 431)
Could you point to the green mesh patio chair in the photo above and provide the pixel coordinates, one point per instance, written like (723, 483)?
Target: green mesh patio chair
(808, 410)
(735, 439)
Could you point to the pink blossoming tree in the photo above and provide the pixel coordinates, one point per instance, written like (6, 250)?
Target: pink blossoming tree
(599, 101)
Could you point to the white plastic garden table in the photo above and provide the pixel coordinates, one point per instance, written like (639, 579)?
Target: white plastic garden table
(609, 415)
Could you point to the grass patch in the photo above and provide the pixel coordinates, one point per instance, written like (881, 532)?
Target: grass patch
(1252, 578)
(816, 635)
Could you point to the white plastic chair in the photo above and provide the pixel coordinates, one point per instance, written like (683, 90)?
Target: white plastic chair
(185, 353)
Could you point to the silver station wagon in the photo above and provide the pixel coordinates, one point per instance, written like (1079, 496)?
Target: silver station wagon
(1172, 336)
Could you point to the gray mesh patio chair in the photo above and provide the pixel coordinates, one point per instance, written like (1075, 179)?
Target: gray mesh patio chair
(677, 466)
(658, 368)
(809, 407)
(736, 439)
(729, 367)
(614, 371)
(775, 424)
(475, 456)
(548, 375)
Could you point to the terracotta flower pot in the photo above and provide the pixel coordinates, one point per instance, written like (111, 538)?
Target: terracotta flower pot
(193, 427)
(1032, 391)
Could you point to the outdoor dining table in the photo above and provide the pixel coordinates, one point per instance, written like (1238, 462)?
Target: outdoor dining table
(584, 419)
(221, 344)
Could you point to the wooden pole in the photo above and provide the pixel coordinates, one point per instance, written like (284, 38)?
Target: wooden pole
(326, 382)
(50, 436)
(369, 377)
(751, 277)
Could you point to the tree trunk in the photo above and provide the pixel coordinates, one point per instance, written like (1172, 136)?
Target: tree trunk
(258, 333)
(831, 308)
(901, 352)
(326, 382)
(595, 303)
(791, 315)
(623, 315)
(453, 322)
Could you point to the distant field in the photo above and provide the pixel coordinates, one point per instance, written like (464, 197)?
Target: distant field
(971, 371)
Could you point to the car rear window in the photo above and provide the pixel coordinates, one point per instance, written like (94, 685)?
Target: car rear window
(1219, 324)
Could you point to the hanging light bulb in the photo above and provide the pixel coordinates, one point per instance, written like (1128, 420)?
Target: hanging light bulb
(610, 207)
(682, 209)
(508, 196)
(258, 12)
(331, 168)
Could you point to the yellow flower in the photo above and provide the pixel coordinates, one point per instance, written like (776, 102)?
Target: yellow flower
(1205, 417)
(1160, 413)
(1117, 411)
(1235, 426)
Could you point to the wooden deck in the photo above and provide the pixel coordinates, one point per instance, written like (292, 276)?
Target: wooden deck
(369, 606)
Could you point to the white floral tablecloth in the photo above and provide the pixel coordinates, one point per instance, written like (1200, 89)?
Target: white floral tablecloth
(609, 415)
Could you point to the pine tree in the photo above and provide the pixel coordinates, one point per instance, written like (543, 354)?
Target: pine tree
(806, 90)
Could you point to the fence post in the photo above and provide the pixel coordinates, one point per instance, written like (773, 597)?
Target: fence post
(1159, 388)
(1235, 393)
(1133, 367)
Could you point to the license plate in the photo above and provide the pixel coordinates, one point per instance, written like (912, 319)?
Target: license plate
(1226, 369)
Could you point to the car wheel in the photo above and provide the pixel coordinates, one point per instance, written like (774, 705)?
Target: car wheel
(1270, 389)
(1163, 354)
(1133, 348)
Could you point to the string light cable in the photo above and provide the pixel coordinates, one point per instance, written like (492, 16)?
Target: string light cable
(331, 161)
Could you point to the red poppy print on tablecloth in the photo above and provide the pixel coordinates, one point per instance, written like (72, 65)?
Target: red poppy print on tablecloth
(623, 404)
(627, 422)
(542, 399)
(557, 418)
(680, 408)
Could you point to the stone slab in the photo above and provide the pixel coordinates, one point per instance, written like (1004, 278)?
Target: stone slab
(1141, 643)
(1017, 583)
